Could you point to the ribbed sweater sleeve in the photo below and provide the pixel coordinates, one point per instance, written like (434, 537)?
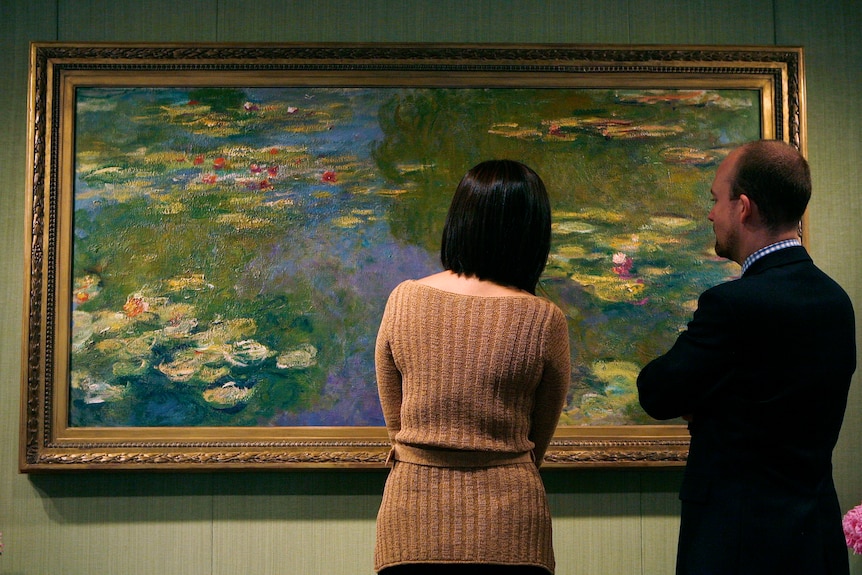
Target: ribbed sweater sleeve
(388, 376)
(553, 389)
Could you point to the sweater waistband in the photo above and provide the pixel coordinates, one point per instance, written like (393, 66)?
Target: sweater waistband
(455, 458)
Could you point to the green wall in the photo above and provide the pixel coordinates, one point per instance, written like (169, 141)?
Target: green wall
(614, 522)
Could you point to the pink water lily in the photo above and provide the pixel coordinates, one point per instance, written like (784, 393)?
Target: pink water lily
(622, 264)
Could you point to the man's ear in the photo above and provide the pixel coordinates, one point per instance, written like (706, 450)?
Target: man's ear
(748, 209)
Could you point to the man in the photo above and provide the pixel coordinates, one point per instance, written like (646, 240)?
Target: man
(762, 374)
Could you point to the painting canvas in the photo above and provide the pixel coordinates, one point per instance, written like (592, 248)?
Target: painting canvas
(227, 247)
(233, 248)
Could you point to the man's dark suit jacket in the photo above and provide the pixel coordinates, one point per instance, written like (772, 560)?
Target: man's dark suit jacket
(763, 369)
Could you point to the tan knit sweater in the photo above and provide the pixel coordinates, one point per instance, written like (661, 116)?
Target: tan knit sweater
(471, 387)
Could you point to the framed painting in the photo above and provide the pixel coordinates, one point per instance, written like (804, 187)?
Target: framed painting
(213, 231)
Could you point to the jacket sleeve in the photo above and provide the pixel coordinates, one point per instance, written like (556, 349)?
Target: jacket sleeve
(679, 382)
(553, 389)
(388, 376)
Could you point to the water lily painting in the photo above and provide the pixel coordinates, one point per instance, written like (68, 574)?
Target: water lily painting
(234, 247)
(231, 244)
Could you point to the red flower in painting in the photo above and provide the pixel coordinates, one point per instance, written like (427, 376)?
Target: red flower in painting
(135, 306)
(622, 264)
(219, 163)
(209, 178)
(272, 171)
(198, 160)
(329, 177)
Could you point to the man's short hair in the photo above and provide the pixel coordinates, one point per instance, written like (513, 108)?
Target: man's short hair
(776, 177)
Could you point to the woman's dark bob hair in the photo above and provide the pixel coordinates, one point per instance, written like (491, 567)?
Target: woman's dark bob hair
(499, 225)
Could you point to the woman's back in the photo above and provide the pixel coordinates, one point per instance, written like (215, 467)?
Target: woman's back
(470, 368)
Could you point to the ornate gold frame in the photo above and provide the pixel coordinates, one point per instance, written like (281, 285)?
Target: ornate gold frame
(48, 443)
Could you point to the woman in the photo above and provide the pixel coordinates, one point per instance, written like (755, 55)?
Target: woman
(473, 371)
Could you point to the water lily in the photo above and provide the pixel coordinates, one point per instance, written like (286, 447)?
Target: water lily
(246, 352)
(181, 369)
(228, 395)
(302, 357)
(622, 264)
(180, 327)
(96, 391)
(135, 305)
(85, 288)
